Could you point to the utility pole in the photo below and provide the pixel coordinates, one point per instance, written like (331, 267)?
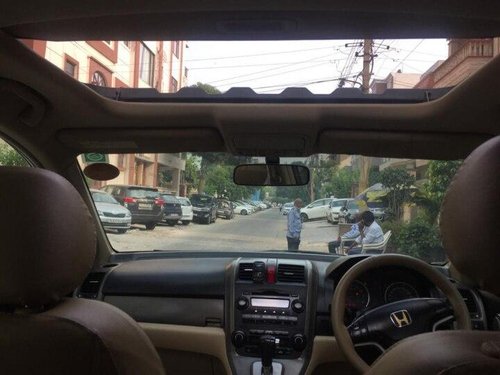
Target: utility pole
(365, 161)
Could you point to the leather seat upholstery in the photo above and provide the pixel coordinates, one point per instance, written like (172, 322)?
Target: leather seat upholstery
(469, 226)
(48, 247)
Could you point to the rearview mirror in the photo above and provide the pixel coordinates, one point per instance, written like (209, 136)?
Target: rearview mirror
(271, 175)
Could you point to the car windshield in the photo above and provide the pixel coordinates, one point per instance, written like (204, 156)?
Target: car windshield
(406, 192)
(169, 198)
(103, 198)
(143, 193)
(184, 202)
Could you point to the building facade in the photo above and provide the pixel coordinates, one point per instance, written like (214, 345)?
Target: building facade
(127, 64)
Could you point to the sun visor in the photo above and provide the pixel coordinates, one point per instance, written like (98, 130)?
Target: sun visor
(400, 144)
(118, 140)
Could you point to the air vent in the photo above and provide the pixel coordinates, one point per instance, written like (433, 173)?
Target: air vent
(91, 285)
(469, 300)
(291, 273)
(245, 271)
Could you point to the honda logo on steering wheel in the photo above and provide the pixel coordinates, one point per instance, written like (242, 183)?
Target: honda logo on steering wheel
(401, 318)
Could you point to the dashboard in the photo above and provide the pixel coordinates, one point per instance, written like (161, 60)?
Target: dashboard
(286, 295)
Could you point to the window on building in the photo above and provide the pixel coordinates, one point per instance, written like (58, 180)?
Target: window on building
(173, 85)
(71, 67)
(98, 79)
(176, 48)
(147, 64)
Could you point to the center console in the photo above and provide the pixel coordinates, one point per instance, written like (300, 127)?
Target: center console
(270, 301)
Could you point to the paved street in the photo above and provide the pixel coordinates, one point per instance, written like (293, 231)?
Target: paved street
(261, 231)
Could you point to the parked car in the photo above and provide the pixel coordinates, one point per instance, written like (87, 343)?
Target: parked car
(285, 209)
(112, 214)
(224, 209)
(332, 214)
(172, 209)
(378, 210)
(187, 210)
(260, 204)
(204, 208)
(315, 210)
(250, 209)
(252, 204)
(241, 208)
(144, 203)
(348, 213)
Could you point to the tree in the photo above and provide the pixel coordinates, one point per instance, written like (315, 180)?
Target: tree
(191, 171)
(439, 176)
(10, 157)
(219, 182)
(209, 89)
(398, 182)
(341, 183)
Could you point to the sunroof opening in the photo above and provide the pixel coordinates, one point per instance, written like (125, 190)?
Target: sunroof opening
(270, 67)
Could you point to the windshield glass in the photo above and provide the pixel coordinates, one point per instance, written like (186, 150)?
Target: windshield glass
(184, 201)
(169, 198)
(402, 195)
(103, 198)
(143, 193)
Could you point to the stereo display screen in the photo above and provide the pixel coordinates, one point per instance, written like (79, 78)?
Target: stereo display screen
(270, 302)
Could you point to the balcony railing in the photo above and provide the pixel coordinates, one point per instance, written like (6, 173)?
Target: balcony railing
(471, 48)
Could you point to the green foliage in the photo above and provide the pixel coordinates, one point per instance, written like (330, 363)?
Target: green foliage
(219, 182)
(374, 176)
(209, 89)
(10, 157)
(398, 183)
(439, 176)
(395, 228)
(420, 239)
(286, 194)
(341, 183)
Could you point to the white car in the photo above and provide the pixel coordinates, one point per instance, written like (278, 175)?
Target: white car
(242, 209)
(286, 208)
(332, 214)
(316, 209)
(187, 210)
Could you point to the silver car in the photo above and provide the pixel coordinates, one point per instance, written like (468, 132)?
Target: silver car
(112, 214)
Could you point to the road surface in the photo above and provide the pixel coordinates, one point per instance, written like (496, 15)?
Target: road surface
(263, 230)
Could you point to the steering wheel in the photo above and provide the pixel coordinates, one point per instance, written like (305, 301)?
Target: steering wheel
(387, 324)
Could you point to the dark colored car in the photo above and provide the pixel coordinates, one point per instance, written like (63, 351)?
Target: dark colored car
(204, 208)
(144, 203)
(172, 209)
(225, 209)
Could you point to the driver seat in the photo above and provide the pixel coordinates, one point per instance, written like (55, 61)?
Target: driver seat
(472, 204)
(48, 247)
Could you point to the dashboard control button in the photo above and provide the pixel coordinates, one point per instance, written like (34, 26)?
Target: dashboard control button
(297, 306)
(299, 342)
(242, 303)
(239, 338)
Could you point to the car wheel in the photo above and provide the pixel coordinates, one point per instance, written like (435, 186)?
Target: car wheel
(121, 231)
(304, 217)
(150, 226)
(244, 212)
(215, 218)
(185, 222)
(208, 220)
(171, 223)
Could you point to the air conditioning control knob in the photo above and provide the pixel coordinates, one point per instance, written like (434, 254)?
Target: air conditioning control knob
(299, 342)
(242, 303)
(297, 306)
(239, 338)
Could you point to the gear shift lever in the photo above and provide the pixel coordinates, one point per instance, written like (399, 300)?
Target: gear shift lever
(267, 348)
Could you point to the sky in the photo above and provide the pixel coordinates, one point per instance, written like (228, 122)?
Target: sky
(271, 66)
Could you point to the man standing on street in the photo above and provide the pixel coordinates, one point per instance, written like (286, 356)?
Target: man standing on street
(294, 226)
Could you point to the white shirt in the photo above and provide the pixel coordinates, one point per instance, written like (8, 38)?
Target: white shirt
(371, 234)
